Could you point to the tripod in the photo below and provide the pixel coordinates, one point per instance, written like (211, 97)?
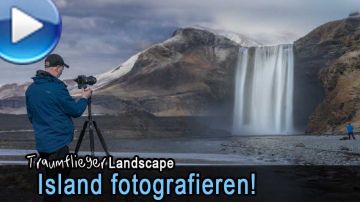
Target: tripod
(91, 124)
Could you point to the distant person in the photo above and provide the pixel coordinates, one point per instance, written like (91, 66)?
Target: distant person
(350, 130)
(50, 109)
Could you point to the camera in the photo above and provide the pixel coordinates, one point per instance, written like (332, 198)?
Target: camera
(83, 81)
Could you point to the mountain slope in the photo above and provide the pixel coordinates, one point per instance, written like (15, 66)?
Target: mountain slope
(189, 74)
(12, 90)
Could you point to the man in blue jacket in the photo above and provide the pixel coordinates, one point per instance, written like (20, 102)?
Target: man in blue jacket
(50, 110)
(50, 107)
(350, 130)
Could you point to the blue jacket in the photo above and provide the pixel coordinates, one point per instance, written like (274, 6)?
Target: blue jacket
(50, 109)
(350, 128)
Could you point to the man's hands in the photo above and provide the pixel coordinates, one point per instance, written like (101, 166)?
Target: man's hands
(86, 93)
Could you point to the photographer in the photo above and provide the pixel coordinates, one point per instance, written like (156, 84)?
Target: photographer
(50, 110)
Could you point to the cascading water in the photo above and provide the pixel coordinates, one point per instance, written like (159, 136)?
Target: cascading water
(264, 90)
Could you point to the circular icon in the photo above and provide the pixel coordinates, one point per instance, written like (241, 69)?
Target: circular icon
(29, 30)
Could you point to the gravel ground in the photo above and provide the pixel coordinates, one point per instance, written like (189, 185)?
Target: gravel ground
(249, 150)
(298, 150)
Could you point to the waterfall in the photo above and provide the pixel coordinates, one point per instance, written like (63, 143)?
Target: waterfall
(264, 90)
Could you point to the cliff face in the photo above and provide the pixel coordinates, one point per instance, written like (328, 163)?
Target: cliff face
(327, 64)
(192, 73)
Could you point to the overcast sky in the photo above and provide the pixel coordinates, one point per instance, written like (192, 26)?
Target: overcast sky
(99, 35)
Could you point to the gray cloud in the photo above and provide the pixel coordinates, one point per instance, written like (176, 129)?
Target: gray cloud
(101, 34)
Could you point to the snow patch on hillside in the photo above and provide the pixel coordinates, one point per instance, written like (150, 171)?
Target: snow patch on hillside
(241, 39)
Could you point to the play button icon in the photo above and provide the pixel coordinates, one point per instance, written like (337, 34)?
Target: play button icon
(23, 25)
(29, 30)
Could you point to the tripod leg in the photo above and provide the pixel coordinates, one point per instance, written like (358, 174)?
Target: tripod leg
(82, 133)
(101, 138)
(91, 134)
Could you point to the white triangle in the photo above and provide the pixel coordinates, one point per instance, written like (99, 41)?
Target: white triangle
(23, 25)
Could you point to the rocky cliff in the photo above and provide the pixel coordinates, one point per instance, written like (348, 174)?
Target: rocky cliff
(327, 64)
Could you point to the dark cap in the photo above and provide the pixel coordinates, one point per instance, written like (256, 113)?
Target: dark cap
(54, 60)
